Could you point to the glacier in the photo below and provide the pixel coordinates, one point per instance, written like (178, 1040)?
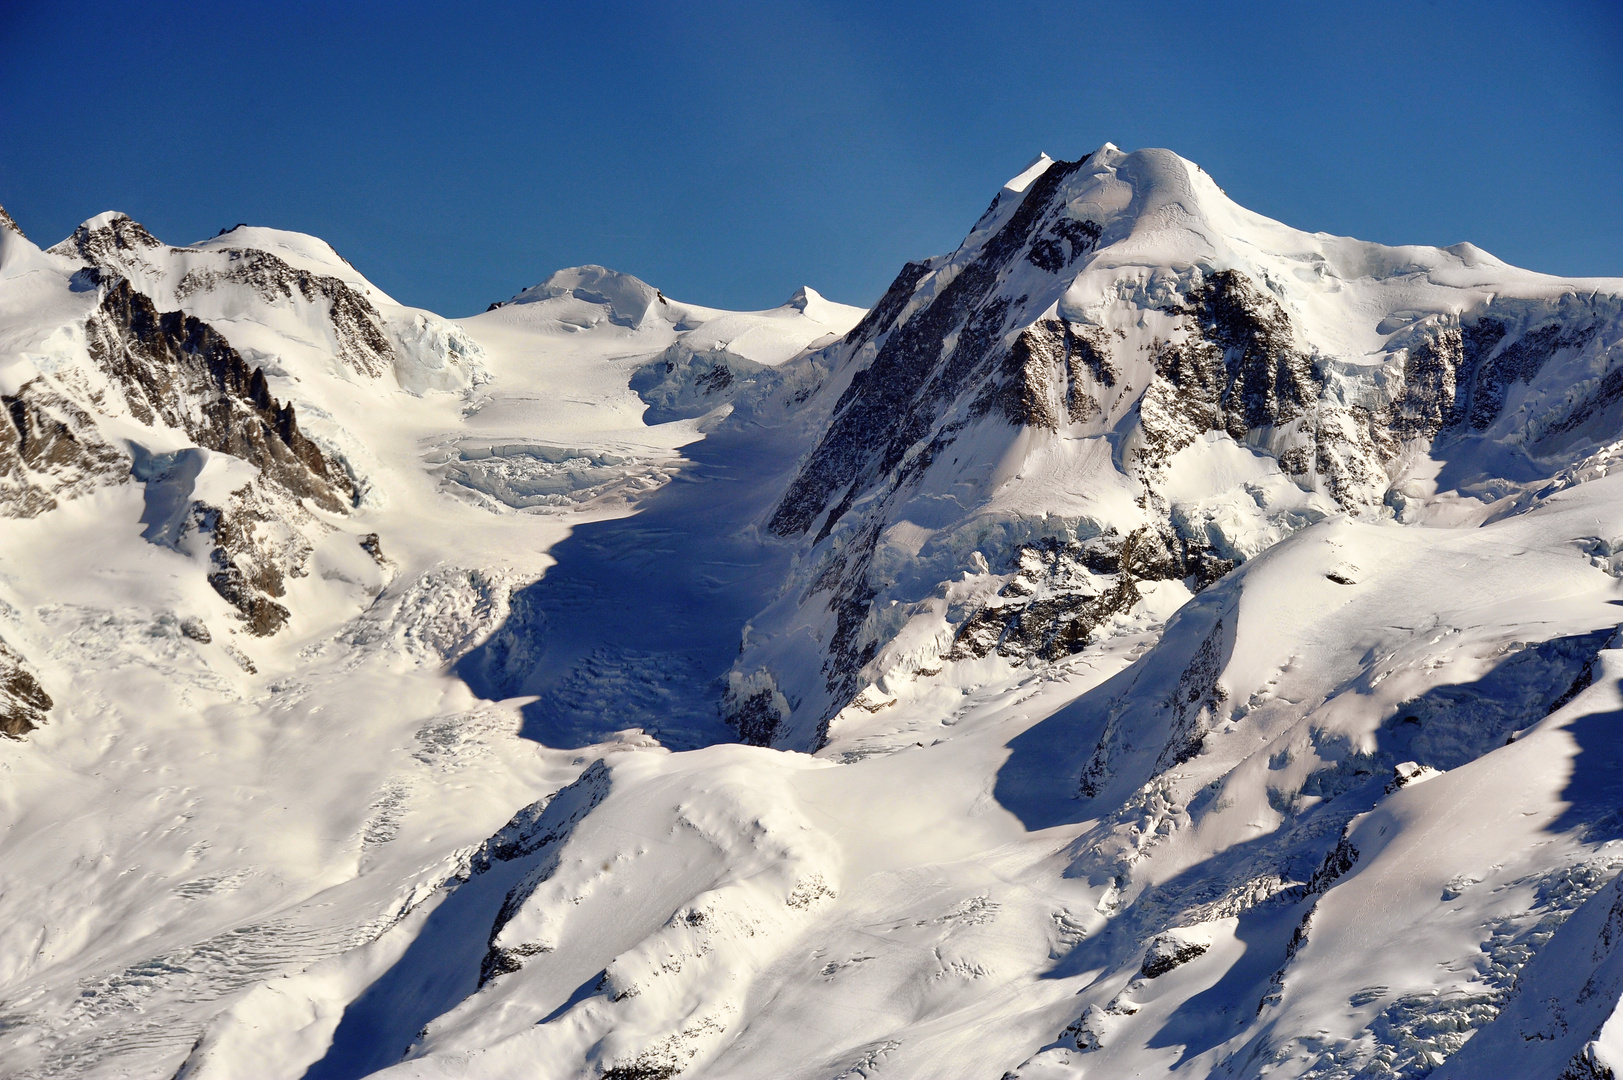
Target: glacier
(1151, 641)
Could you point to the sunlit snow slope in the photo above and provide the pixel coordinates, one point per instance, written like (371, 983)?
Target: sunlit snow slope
(1151, 641)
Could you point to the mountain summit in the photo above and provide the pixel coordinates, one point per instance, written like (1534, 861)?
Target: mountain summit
(1059, 390)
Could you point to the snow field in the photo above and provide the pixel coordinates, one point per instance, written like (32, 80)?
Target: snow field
(1348, 809)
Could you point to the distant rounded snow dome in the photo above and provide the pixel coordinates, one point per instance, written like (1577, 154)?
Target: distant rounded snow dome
(1471, 255)
(627, 298)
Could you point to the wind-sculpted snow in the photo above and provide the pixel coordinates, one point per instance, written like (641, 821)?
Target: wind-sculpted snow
(1174, 644)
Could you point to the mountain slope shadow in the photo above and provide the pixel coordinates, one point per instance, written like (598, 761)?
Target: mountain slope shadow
(438, 970)
(640, 618)
(1594, 791)
(1446, 727)
(1040, 781)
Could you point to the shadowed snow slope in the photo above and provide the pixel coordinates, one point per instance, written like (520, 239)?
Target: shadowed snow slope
(1171, 644)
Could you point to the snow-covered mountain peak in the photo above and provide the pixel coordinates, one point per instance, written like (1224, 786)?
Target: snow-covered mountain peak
(1120, 351)
(299, 250)
(1034, 168)
(813, 306)
(1157, 197)
(113, 219)
(1156, 209)
(113, 240)
(1472, 256)
(1181, 645)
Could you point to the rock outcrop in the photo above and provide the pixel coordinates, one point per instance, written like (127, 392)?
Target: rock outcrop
(24, 704)
(1096, 322)
(50, 449)
(172, 369)
(119, 247)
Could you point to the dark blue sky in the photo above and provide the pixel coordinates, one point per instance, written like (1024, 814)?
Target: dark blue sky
(732, 152)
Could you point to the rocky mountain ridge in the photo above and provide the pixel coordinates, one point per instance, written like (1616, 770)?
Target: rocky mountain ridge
(1089, 315)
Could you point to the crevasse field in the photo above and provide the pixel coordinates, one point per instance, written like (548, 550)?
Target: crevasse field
(1152, 641)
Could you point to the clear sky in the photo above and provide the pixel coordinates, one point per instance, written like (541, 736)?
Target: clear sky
(730, 153)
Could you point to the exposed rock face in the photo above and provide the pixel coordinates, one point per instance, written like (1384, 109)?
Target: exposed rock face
(246, 564)
(119, 247)
(883, 315)
(50, 450)
(169, 369)
(1431, 398)
(117, 244)
(23, 702)
(1029, 394)
(757, 715)
(1039, 339)
(1061, 593)
(1587, 1065)
(1167, 952)
(894, 403)
(363, 344)
(173, 369)
(1237, 370)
